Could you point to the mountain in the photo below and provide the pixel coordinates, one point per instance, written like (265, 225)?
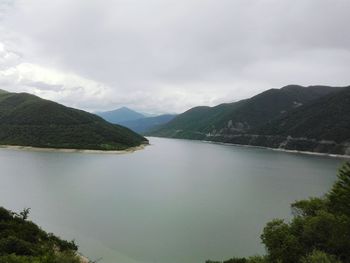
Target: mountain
(241, 116)
(262, 120)
(28, 120)
(120, 115)
(138, 122)
(325, 120)
(147, 124)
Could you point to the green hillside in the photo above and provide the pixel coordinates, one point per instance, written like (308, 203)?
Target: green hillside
(327, 118)
(240, 117)
(315, 118)
(28, 120)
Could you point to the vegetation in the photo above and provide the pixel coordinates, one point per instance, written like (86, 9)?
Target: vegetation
(327, 118)
(28, 120)
(244, 115)
(318, 233)
(22, 241)
(315, 118)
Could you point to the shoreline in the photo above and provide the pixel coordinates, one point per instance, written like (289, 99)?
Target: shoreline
(66, 150)
(266, 148)
(282, 150)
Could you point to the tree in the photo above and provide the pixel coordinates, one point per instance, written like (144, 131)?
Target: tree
(24, 214)
(319, 231)
(281, 244)
(339, 196)
(319, 224)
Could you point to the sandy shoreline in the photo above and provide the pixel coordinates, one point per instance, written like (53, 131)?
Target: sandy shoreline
(39, 149)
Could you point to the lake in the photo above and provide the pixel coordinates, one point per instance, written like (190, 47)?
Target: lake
(176, 201)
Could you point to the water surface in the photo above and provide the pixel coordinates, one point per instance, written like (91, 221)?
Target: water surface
(176, 201)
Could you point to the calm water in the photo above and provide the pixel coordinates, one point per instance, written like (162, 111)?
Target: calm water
(176, 201)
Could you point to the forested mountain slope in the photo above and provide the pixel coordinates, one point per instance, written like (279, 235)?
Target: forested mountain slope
(314, 118)
(28, 120)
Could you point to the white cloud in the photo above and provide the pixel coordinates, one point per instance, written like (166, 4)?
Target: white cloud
(7, 58)
(167, 55)
(68, 88)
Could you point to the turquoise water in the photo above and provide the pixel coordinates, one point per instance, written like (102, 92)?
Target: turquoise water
(176, 201)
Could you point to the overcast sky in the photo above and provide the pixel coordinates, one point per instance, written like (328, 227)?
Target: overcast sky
(169, 55)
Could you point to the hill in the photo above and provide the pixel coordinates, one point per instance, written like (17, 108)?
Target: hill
(325, 120)
(28, 120)
(146, 124)
(251, 121)
(120, 115)
(241, 116)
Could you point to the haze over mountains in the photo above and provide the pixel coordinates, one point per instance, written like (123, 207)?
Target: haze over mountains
(315, 118)
(148, 124)
(120, 115)
(136, 121)
(28, 120)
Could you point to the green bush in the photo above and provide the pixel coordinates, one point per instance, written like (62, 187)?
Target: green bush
(319, 257)
(22, 241)
(319, 231)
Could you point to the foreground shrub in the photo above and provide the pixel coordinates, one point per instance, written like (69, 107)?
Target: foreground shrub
(22, 241)
(318, 233)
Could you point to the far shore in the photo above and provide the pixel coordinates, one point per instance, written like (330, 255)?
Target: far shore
(344, 156)
(64, 150)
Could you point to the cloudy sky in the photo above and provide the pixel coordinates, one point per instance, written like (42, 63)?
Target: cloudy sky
(169, 55)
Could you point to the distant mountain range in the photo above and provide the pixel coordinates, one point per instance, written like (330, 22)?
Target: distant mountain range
(120, 115)
(136, 121)
(147, 124)
(28, 120)
(315, 118)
